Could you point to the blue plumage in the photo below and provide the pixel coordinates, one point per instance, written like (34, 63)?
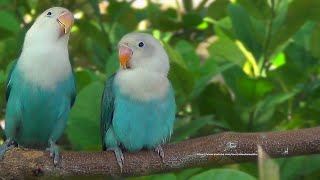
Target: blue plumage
(136, 124)
(138, 103)
(34, 114)
(41, 87)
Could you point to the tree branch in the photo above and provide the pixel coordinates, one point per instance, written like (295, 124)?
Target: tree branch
(23, 163)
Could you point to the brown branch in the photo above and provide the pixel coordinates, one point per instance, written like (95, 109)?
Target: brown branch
(22, 163)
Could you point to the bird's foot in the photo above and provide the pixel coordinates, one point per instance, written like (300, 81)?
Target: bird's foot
(6, 146)
(54, 152)
(160, 152)
(119, 156)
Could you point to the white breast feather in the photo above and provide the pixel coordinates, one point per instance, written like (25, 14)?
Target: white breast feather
(44, 66)
(141, 84)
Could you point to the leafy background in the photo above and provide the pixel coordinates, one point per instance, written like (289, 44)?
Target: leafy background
(242, 66)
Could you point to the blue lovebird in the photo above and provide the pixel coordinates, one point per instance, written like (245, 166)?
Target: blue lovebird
(41, 86)
(138, 104)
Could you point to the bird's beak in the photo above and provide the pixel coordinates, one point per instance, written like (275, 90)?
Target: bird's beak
(66, 21)
(125, 54)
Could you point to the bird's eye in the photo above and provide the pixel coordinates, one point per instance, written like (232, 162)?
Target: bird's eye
(49, 13)
(140, 44)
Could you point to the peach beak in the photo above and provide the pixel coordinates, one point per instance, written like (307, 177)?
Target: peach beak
(125, 54)
(66, 21)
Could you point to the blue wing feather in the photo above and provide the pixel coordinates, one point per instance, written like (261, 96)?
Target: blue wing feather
(8, 83)
(74, 91)
(107, 108)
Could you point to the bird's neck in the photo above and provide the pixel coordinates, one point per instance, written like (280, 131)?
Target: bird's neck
(44, 66)
(142, 85)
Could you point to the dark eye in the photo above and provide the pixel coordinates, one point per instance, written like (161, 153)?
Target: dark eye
(49, 13)
(140, 44)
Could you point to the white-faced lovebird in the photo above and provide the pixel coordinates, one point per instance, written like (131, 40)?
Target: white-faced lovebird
(138, 104)
(41, 86)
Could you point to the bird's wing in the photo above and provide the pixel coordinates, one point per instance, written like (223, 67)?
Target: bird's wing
(9, 83)
(107, 108)
(74, 90)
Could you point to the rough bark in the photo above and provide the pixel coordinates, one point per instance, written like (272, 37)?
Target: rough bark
(204, 151)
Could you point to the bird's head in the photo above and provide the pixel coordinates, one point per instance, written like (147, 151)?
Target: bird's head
(53, 25)
(140, 50)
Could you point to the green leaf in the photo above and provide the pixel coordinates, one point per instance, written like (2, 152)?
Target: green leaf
(168, 176)
(253, 89)
(188, 130)
(207, 71)
(183, 83)
(4, 34)
(298, 69)
(258, 9)
(303, 166)
(187, 173)
(183, 80)
(188, 54)
(223, 174)
(84, 77)
(246, 90)
(297, 14)
(122, 14)
(217, 9)
(224, 49)
(315, 42)
(191, 20)
(85, 119)
(112, 65)
(117, 32)
(244, 29)
(5, 3)
(279, 60)
(33, 3)
(266, 108)
(216, 99)
(223, 28)
(9, 22)
(175, 56)
(300, 37)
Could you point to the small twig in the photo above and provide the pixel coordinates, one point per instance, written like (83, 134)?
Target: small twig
(267, 42)
(201, 5)
(19, 15)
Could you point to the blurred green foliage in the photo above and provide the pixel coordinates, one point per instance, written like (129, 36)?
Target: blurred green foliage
(242, 65)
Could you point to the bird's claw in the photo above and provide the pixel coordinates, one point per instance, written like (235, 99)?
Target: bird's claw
(160, 152)
(6, 146)
(54, 153)
(119, 156)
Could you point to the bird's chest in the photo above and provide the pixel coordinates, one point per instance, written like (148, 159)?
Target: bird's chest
(140, 124)
(45, 74)
(142, 85)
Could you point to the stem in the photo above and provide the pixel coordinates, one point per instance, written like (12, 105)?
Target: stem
(251, 119)
(201, 5)
(266, 54)
(179, 10)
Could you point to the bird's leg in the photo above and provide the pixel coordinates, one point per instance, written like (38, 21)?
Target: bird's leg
(54, 152)
(119, 156)
(160, 152)
(6, 146)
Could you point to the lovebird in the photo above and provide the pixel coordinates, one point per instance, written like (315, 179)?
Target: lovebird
(41, 86)
(138, 104)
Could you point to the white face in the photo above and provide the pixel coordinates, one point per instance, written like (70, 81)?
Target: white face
(140, 50)
(51, 26)
(44, 59)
